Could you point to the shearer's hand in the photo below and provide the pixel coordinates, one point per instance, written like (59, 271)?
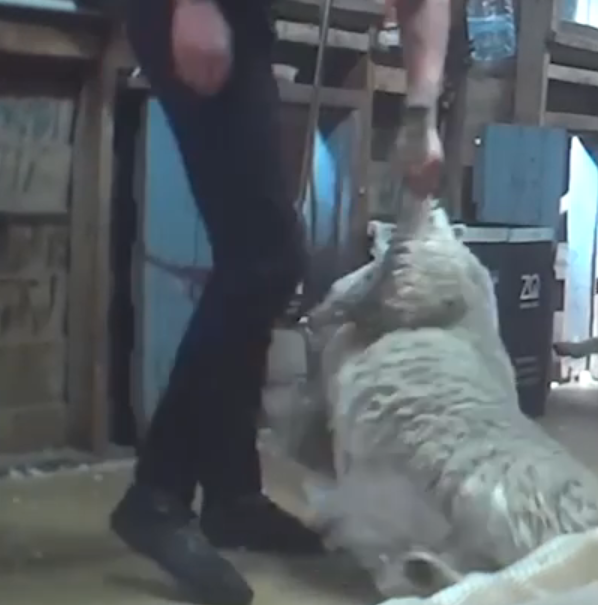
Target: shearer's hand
(420, 151)
(201, 45)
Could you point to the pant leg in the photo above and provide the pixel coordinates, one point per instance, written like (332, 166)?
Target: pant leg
(205, 426)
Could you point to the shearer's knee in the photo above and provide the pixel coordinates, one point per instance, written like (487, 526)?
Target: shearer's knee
(259, 288)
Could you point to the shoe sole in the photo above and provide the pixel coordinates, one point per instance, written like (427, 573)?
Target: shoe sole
(219, 584)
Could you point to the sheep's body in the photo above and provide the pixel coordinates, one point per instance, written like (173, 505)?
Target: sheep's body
(434, 399)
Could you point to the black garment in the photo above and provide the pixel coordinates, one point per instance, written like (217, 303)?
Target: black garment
(205, 427)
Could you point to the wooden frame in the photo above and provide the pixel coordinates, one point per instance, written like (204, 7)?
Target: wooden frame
(553, 51)
(94, 50)
(89, 292)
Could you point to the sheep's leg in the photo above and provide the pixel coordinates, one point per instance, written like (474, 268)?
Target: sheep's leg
(346, 298)
(577, 350)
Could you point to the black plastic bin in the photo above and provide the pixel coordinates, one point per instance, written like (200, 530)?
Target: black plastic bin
(521, 261)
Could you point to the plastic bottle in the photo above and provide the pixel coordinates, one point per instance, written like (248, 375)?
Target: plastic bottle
(492, 30)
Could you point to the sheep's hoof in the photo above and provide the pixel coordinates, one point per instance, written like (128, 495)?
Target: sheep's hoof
(428, 572)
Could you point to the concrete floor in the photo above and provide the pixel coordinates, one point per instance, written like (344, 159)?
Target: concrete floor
(55, 548)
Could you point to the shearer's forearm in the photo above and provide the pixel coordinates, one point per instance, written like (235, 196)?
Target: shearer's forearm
(425, 26)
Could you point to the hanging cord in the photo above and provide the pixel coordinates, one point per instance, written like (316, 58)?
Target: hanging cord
(306, 179)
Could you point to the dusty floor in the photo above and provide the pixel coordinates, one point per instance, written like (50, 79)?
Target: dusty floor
(55, 548)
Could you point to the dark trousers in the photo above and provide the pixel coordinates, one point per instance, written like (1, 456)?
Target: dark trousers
(204, 430)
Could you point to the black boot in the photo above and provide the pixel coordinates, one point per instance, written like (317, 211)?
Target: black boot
(168, 533)
(256, 523)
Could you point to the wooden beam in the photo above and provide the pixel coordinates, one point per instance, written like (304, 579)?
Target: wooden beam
(573, 75)
(576, 36)
(572, 121)
(24, 429)
(390, 79)
(537, 24)
(47, 41)
(362, 79)
(358, 15)
(455, 124)
(122, 52)
(488, 100)
(89, 283)
(106, 85)
(304, 33)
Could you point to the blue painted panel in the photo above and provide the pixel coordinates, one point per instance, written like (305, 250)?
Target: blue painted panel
(334, 174)
(520, 174)
(176, 250)
(59, 6)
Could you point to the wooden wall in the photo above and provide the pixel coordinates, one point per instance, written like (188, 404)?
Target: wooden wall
(56, 99)
(35, 175)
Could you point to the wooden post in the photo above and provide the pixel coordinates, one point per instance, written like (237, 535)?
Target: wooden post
(454, 131)
(538, 20)
(362, 78)
(89, 292)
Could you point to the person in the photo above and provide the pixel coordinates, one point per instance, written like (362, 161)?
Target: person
(209, 64)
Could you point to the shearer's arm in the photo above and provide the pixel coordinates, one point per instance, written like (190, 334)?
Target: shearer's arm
(425, 26)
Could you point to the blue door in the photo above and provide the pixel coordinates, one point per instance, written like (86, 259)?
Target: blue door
(174, 253)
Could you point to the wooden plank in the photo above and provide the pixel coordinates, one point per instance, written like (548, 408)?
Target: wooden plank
(537, 22)
(32, 309)
(572, 121)
(454, 130)
(33, 428)
(291, 92)
(35, 154)
(38, 119)
(34, 177)
(362, 78)
(576, 36)
(89, 271)
(105, 85)
(47, 41)
(573, 75)
(124, 57)
(390, 79)
(304, 33)
(32, 373)
(351, 14)
(28, 249)
(487, 100)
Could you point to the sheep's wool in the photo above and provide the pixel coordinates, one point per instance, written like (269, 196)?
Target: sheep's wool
(426, 412)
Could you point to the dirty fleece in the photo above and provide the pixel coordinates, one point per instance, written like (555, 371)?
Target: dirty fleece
(431, 455)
